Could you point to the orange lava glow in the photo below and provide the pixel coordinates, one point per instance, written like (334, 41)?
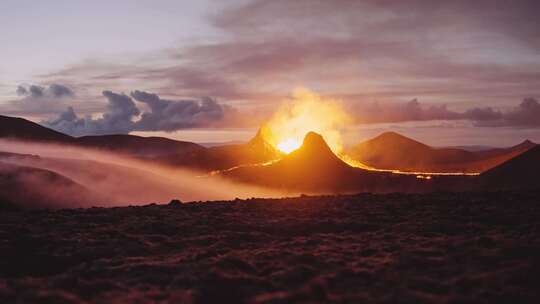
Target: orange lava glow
(288, 145)
(306, 112)
(420, 175)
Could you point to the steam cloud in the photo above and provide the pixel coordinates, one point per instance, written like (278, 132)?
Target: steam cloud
(122, 112)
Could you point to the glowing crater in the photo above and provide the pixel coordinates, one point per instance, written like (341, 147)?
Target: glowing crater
(288, 145)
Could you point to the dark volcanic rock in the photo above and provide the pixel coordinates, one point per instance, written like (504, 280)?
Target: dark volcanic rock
(175, 202)
(394, 248)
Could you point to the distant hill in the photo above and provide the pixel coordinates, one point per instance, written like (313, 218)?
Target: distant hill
(520, 172)
(471, 148)
(138, 146)
(391, 150)
(22, 129)
(217, 144)
(156, 149)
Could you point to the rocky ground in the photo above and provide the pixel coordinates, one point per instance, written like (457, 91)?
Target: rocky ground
(393, 248)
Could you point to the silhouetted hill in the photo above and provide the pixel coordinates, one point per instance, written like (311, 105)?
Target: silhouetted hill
(22, 129)
(157, 149)
(144, 147)
(520, 172)
(391, 150)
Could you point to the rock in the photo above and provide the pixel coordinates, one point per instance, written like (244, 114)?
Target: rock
(175, 202)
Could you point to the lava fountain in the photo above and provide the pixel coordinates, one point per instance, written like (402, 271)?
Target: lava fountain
(305, 112)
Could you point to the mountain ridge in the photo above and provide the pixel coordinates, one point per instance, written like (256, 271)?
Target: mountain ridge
(391, 150)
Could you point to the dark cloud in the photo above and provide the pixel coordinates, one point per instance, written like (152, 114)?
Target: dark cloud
(169, 115)
(58, 90)
(117, 119)
(40, 101)
(123, 116)
(527, 114)
(483, 115)
(36, 91)
(52, 91)
(22, 91)
(410, 111)
(68, 122)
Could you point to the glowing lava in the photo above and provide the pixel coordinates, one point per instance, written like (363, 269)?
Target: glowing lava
(306, 112)
(288, 145)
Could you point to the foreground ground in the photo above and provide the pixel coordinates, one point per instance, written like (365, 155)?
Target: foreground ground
(395, 248)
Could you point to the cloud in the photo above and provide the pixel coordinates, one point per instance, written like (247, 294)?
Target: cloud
(457, 51)
(58, 90)
(484, 53)
(527, 114)
(481, 115)
(410, 111)
(168, 115)
(36, 100)
(22, 91)
(123, 116)
(117, 119)
(52, 91)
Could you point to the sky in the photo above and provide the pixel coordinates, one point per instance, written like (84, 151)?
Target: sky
(448, 73)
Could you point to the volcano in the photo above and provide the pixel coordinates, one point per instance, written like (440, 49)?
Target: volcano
(391, 150)
(137, 146)
(314, 151)
(256, 151)
(314, 168)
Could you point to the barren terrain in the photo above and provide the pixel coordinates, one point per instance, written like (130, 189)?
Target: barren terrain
(393, 248)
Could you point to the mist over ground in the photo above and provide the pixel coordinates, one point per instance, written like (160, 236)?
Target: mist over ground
(118, 180)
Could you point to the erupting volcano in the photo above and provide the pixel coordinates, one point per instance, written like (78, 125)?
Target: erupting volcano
(269, 152)
(306, 112)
